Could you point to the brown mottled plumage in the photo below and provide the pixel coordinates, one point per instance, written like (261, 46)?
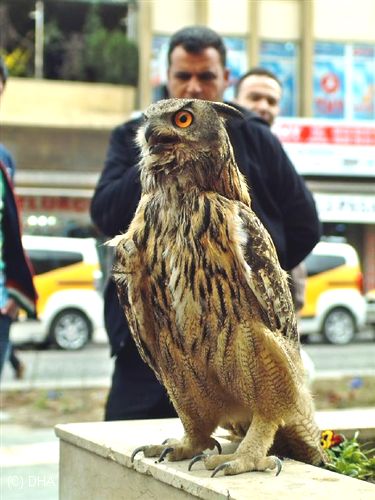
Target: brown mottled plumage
(207, 302)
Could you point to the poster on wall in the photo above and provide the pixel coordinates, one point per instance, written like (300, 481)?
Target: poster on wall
(329, 85)
(363, 83)
(281, 59)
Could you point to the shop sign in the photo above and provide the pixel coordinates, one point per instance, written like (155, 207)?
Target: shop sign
(48, 204)
(345, 208)
(328, 147)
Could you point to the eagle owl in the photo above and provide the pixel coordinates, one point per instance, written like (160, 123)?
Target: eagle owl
(206, 300)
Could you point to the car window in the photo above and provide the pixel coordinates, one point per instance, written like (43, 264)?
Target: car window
(316, 264)
(48, 260)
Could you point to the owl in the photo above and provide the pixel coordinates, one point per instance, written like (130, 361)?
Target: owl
(206, 300)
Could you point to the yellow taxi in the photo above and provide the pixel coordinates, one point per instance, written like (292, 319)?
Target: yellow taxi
(67, 276)
(335, 305)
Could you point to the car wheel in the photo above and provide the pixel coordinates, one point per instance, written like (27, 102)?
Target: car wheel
(70, 330)
(339, 326)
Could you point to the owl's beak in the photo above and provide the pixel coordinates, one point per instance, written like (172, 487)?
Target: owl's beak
(149, 130)
(158, 142)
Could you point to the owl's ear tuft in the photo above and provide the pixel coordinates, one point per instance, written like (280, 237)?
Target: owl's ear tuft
(226, 111)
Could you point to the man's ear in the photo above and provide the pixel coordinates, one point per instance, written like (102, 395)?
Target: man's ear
(226, 111)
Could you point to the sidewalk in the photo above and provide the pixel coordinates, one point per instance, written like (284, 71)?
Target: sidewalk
(29, 461)
(53, 369)
(92, 367)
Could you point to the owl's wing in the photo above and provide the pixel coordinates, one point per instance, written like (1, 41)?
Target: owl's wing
(268, 280)
(134, 296)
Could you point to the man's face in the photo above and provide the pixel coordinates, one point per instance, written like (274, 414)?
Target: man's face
(197, 76)
(262, 95)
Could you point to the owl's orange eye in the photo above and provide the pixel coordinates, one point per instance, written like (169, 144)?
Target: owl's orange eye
(183, 119)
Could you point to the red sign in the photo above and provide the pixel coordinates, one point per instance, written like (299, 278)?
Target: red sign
(330, 83)
(325, 134)
(53, 204)
(328, 147)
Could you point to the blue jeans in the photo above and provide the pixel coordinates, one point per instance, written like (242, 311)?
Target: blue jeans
(5, 322)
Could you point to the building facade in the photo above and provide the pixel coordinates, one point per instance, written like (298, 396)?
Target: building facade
(323, 51)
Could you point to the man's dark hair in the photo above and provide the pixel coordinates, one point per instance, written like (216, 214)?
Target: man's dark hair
(194, 39)
(258, 71)
(3, 71)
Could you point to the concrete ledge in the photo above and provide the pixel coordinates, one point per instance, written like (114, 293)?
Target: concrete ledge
(95, 463)
(349, 421)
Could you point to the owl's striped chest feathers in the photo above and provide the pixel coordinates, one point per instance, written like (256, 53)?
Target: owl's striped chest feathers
(194, 266)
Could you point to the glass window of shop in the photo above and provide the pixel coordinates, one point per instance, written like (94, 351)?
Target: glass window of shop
(344, 81)
(282, 59)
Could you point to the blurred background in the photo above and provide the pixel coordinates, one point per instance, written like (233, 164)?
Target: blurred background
(80, 67)
(77, 69)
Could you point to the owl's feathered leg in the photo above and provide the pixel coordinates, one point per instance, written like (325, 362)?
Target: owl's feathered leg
(300, 441)
(251, 453)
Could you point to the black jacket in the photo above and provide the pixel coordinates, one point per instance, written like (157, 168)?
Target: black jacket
(18, 271)
(279, 198)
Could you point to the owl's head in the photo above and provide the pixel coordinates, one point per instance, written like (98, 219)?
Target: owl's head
(182, 136)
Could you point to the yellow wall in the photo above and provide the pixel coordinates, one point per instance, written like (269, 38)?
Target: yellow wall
(345, 20)
(170, 15)
(279, 20)
(228, 16)
(76, 104)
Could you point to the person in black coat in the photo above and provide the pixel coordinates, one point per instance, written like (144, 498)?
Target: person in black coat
(196, 69)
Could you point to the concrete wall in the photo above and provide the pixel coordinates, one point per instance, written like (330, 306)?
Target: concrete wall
(229, 17)
(58, 103)
(42, 148)
(61, 126)
(344, 20)
(183, 13)
(278, 19)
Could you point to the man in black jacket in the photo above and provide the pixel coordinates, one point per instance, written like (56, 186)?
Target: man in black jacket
(196, 69)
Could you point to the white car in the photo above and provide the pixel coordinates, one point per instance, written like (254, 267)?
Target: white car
(335, 305)
(69, 307)
(370, 314)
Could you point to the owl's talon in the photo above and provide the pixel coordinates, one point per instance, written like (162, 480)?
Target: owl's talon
(163, 454)
(219, 468)
(195, 459)
(279, 465)
(137, 450)
(218, 446)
